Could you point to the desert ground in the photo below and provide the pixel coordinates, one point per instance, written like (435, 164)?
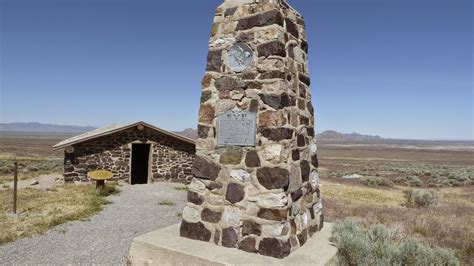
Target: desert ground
(391, 167)
(384, 170)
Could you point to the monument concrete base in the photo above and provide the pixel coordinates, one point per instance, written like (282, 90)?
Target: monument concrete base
(166, 247)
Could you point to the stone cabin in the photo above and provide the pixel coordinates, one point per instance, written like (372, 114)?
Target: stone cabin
(138, 153)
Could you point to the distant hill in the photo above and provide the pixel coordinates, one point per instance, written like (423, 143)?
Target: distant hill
(42, 128)
(35, 127)
(334, 135)
(326, 135)
(188, 132)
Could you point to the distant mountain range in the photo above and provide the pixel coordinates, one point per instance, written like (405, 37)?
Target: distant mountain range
(334, 135)
(188, 132)
(42, 128)
(326, 135)
(35, 127)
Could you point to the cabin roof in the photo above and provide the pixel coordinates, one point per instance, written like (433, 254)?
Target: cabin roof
(114, 128)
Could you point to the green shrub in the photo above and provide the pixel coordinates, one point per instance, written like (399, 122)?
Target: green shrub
(420, 198)
(376, 181)
(378, 246)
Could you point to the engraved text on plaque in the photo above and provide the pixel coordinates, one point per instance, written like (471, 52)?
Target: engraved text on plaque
(236, 128)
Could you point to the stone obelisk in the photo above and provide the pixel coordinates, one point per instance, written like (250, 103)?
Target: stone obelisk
(255, 185)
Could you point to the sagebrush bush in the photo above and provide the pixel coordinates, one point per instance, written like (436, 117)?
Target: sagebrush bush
(378, 246)
(412, 181)
(376, 181)
(412, 252)
(420, 198)
(415, 181)
(400, 180)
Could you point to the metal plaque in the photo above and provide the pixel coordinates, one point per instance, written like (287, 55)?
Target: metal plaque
(236, 128)
(239, 57)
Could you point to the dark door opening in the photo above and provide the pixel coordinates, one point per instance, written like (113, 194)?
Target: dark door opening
(139, 170)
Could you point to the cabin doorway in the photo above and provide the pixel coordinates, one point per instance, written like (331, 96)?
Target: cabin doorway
(140, 164)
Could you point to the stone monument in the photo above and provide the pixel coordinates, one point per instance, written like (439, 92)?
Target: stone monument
(255, 185)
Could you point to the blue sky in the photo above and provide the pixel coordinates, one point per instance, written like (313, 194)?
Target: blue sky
(396, 68)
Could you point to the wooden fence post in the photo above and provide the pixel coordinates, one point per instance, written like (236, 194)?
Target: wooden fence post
(15, 184)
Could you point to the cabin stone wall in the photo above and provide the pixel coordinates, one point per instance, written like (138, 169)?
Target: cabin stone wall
(171, 159)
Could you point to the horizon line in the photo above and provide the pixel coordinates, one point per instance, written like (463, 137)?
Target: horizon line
(318, 132)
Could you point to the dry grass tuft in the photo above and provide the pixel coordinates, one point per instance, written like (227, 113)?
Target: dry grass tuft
(167, 203)
(181, 188)
(361, 194)
(39, 210)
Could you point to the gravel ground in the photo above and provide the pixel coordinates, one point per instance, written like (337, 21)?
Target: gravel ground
(106, 237)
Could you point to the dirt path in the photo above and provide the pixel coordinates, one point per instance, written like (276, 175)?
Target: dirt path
(106, 237)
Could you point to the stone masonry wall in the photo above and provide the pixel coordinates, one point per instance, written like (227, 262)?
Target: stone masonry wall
(263, 199)
(171, 159)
